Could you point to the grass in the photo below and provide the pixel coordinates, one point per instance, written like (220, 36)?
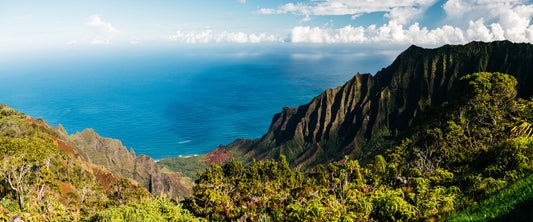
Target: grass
(514, 203)
(187, 166)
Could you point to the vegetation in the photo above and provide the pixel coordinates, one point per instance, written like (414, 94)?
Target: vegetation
(462, 159)
(470, 159)
(458, 154)
(187, 166)
(146, 209)
(41, 182)
(510, 204)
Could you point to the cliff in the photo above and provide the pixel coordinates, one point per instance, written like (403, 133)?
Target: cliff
(338, 121)
(106, 154)
(111, 154)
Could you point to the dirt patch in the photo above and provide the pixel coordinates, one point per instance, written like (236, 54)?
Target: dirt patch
(66, 188)
(217, 156)
(30, 119)
(64, 146)
(104, 177)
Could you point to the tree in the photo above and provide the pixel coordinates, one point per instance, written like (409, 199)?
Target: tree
(22, 162)
(489, 101)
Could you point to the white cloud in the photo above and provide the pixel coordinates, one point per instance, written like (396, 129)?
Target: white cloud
(107, 30)
(477, 30)
(467, 20)
(512, 16)
(403, 15)
(242, 1)
(345, 7)
(400, 11)
(306, 19)
(94, 20)
(208, 36)
(395, 33)
(356, 16)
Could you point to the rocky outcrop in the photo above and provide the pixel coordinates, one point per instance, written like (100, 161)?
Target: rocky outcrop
(331, 125)
(111, 154)
(105, 158)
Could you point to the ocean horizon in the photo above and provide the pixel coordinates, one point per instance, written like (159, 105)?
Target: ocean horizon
(169, 102)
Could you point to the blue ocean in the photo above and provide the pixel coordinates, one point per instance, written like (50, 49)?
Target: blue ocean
(166, 102)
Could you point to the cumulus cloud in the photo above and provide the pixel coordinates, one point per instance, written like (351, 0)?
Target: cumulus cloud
(488, 20)
(107, 31)
(403, 15)
(467, 20)
(208, 36)
(395, 33)
(96, 21)
(511, 18)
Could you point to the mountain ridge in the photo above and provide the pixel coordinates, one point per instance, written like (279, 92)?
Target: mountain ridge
(335, 122)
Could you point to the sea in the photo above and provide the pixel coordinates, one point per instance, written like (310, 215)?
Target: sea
(177, 101)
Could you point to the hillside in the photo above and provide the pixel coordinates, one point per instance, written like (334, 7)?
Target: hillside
(46, 175)
(111, 154)
(330, 126)
(469, 158)
(440, 134)
(356, 118)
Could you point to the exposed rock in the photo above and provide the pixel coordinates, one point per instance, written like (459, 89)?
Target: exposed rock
(105, 158)
(331, 125)
(111, 154)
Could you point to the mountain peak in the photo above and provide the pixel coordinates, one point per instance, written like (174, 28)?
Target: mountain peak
(333, 123)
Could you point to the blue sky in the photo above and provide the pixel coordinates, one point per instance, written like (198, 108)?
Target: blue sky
(30, 24)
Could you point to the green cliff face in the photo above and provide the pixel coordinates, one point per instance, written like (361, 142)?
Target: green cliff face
(339, 121)
(111, 154)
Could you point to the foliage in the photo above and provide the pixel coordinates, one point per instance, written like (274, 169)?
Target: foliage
(40, 182)
(145, 209)
(25, 165)
(462, 152)
(187, 166)
(464, 158)
(503, 206)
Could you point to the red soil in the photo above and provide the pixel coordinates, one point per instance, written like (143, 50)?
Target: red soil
(66, 188)
(217, 156)
(104, 177)
(64, 146)
(30, 119)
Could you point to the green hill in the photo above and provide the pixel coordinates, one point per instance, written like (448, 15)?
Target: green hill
(44, 176)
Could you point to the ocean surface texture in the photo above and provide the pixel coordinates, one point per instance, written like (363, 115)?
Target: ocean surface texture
(173, 102)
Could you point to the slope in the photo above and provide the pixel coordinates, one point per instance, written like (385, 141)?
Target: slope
(338, 121)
